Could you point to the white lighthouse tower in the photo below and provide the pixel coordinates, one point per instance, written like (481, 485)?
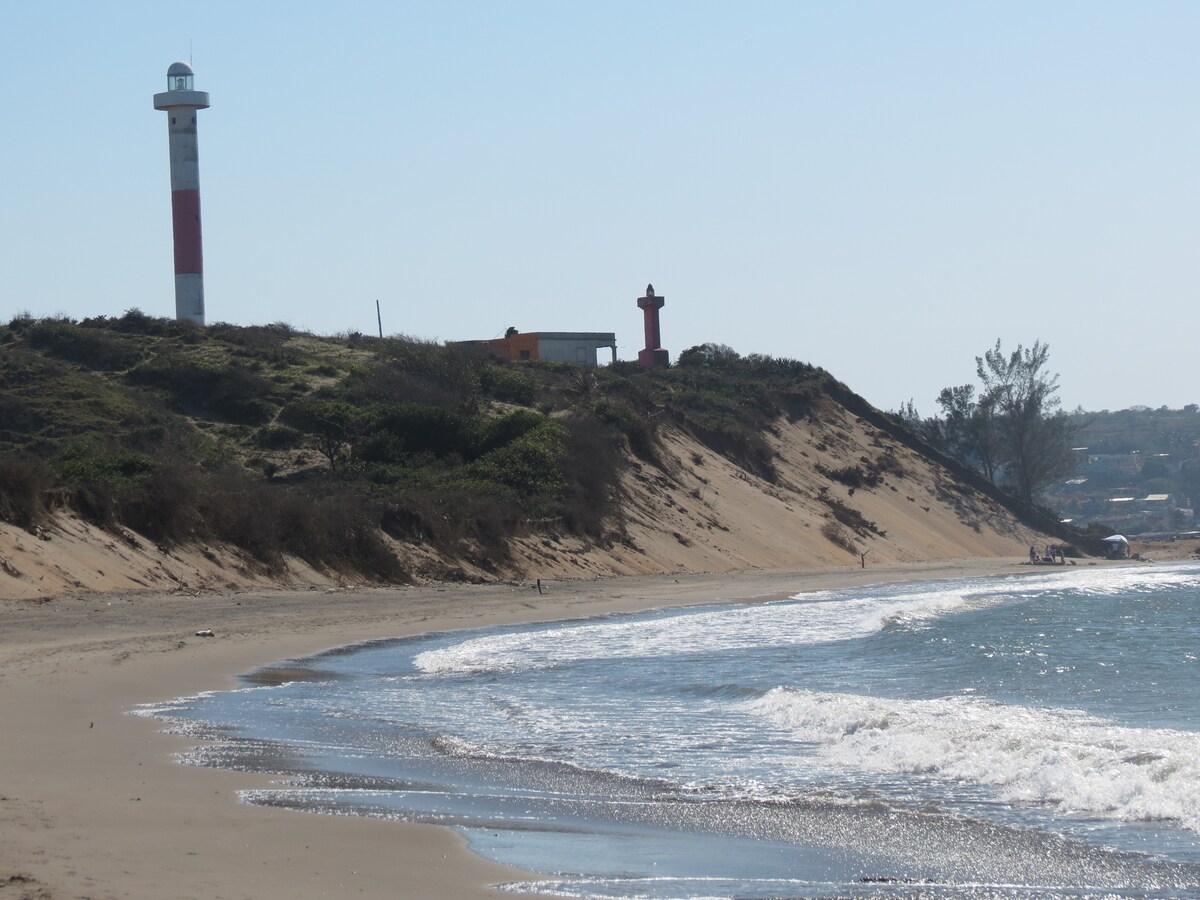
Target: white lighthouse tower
(181, 103)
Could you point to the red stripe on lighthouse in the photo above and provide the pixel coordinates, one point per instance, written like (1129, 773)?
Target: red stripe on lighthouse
(185, 221)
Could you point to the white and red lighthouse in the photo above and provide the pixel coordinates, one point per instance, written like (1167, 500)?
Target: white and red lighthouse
(181, 101)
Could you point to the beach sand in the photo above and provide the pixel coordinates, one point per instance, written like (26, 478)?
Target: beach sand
(94, 805)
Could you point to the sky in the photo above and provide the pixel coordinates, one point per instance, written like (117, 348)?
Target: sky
(882, 189)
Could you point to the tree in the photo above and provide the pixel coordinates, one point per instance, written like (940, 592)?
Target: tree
(930, 429)
(1033, 436)
(333, 425)
(711, 355)
(968, 428)
(907, 413)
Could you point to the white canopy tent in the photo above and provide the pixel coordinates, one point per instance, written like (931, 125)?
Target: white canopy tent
(1118, 545)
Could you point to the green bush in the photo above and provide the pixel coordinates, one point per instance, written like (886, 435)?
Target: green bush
(84, 463)
(507, 384)
(99, 480)
(504, 430)
(229, 391)
(90, 347)
(427, 429)
(134, 321)
(531, 465)
(635, 426)
(261, 343)
(278, 437)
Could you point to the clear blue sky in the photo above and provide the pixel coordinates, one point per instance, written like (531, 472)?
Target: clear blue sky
(882, 189)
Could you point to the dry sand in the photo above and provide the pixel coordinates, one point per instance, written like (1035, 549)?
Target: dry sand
(94, 805)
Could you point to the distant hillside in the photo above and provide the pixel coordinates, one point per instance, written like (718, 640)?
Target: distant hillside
(1126, 457)
(261, 453)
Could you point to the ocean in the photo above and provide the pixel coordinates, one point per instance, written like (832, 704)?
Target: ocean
(1035, 735)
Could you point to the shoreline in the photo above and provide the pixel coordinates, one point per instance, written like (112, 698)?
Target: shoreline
(94, 804)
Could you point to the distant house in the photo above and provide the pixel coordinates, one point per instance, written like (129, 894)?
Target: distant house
(577, 347)
(1122, 465)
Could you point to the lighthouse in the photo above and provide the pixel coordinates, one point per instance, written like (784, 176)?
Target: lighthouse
(181, 101)
(654, 356)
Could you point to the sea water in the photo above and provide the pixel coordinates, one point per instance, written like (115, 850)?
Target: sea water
(1035, 735)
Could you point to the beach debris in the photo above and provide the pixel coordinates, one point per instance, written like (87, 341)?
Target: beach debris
(205, 632)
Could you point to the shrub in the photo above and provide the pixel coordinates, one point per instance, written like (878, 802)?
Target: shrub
(164, 506)
(591, 468)
(20, 323)
(743, 446)
(837, 535)
(531, 465)
(230, 391)
(278, 437)
(334, 532)
(851, 517)
(427, 429)
(134, 321)
(99, 479)
(259, 342)
(636, 427)
(88, 347)
(710, 355)
(506, 429)
(388, 382)
(86, 463)
(333, 426)
(851, 476)
(452, 518)
(508, 384)
(24, 481)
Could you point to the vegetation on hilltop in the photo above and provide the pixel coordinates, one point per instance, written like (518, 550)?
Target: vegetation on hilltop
(1013, 429)
(1077, 463)
(281, 442)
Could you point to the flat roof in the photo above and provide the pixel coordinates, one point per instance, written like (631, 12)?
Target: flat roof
(606, 336)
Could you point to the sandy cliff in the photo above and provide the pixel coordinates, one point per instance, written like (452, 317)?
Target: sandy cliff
(695, 511)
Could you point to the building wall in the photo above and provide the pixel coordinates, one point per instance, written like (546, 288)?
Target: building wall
(577, 347)
(519, 346)
(568, 351)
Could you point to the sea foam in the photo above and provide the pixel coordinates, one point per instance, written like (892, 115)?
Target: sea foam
(1066, 758)
(820, 617)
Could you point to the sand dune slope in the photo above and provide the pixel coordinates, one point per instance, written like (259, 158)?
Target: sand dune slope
(693, 511)
(701, 513)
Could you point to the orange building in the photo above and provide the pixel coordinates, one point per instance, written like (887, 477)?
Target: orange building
(577, 347)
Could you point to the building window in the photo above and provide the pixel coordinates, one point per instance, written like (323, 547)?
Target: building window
(524, 354)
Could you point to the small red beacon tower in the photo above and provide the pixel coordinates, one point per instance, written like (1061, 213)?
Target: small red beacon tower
(654, 356)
